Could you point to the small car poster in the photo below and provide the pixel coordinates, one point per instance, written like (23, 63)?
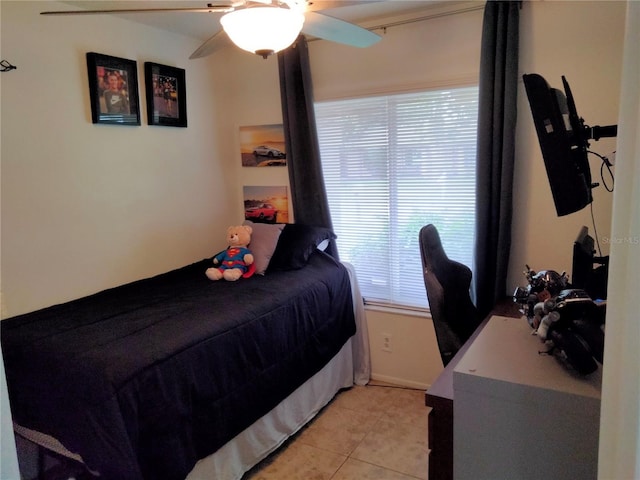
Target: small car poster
(263, 146)
(266, 204)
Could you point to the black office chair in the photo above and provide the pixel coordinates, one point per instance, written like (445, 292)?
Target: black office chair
(455, 317)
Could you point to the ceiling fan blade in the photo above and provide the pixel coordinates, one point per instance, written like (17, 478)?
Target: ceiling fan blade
(220, 8)
(215, 42)
(339, 31)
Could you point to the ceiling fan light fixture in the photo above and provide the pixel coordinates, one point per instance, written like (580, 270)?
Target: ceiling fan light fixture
(263, 30)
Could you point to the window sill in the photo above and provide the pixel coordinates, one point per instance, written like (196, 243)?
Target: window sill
(398, 310)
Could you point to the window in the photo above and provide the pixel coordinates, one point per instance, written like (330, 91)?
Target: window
(392, 164)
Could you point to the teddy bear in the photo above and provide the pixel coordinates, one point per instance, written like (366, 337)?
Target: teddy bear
(236, 261)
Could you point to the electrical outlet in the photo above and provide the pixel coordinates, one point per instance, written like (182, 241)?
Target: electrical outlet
(386, 342)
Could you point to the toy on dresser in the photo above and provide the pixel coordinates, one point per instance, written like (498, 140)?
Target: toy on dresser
(565, 318)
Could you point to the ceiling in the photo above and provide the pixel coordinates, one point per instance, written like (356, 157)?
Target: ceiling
(203, 25)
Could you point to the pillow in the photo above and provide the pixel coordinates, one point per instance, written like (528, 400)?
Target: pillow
(295, 245)
(264, 239)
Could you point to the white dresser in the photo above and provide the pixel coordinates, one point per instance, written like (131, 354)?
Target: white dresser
(521, 415)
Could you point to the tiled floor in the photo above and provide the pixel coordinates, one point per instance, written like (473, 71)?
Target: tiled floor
(370, 432)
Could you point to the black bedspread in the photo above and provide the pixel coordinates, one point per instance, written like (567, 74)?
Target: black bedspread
(144, 379)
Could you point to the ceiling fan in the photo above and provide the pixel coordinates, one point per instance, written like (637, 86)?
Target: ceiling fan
(263, 27)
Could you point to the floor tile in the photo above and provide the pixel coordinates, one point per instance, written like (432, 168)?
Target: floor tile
(397, 446)
(365, 433)
(373, 400)
(357, 470)
(407, 406)
(299, 462)
(339, 430)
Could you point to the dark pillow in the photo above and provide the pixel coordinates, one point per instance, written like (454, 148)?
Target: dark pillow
(295, 245)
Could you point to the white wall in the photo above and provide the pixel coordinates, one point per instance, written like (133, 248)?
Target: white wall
(443, 50)
(253, 98)
(412, 359)
(583, 41)
(84, 206)
(619, 455)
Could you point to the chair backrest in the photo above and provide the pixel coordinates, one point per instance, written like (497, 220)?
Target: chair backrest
(447, 282)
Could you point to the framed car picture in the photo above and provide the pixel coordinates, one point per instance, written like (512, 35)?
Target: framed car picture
(166, 95)
(113, 89)
(266, 204)
(263, 146)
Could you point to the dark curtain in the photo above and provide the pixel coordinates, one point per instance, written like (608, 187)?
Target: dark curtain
(496, 145)
(308, 194)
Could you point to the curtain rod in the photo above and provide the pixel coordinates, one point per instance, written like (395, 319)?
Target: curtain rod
(422, 18)
(471, 8)
(384, 26)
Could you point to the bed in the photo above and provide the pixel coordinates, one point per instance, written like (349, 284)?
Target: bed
(175, 376)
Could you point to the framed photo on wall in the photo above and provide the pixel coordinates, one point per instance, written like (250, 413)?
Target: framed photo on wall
(166, 95)
(263, 146)
(113, 89)
(266, 204)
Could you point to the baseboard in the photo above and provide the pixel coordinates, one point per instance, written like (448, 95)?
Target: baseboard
(400, 382)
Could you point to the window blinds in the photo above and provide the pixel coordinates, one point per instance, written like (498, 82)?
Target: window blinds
(392, 164)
